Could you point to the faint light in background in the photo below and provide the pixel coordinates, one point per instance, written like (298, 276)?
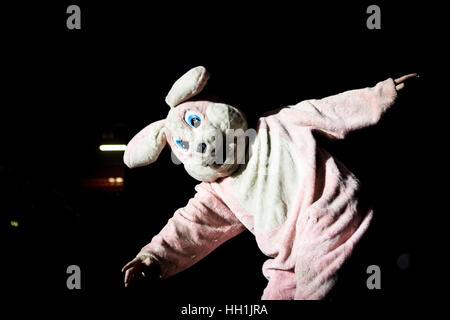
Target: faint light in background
(403, 261)
(112, 147)
(14, 223)
(109, 183)
(117, 181)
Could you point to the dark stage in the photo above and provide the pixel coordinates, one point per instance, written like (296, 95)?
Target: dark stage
(66, 92)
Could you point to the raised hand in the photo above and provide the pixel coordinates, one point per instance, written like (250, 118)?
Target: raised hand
(400, 82)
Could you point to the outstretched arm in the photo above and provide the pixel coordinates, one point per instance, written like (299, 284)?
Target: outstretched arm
(351, 110)
(191, 234)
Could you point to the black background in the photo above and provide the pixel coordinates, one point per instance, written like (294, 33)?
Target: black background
(63, 90)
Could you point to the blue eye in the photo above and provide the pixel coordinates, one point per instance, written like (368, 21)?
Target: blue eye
(192, 119)
(182, 144)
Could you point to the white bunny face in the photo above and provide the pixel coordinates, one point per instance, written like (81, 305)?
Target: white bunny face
(197, 132)
(208, 137)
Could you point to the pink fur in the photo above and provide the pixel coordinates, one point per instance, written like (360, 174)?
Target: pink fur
(308, 248)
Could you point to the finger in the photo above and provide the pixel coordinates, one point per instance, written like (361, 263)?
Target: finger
(129, 275)
(399, 86)
(130, 264)
(126, 279)
(405, 77)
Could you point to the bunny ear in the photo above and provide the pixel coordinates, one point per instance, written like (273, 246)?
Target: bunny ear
(190, 84)
(146, 146)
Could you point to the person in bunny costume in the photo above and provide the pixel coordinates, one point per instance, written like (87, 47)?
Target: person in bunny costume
(301, 204)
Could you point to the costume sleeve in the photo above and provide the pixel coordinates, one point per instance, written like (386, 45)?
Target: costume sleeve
(339, 114)
(193, 232)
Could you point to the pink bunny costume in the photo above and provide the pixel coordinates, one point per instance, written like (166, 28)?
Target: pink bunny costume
(300, 203)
